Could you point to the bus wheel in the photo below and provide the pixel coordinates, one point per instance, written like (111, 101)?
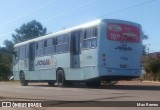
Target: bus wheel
(93, 84)
(22, 79)
(60, 78)
(51, 83)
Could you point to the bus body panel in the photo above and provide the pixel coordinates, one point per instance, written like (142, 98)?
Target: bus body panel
(121, 58)
(106, 61)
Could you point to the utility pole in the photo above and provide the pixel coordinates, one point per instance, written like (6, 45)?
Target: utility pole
(148, 51)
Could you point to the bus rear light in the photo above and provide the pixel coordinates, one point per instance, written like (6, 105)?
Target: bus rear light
(104, 57)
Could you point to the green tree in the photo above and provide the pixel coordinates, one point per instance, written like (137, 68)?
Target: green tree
(5, 65)
(152, 67)
(28, 31)
(8, 46)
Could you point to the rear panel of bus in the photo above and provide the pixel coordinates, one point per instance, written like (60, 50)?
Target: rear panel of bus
(120, 50)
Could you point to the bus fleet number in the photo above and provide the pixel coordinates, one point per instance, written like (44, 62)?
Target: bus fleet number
(123, 58)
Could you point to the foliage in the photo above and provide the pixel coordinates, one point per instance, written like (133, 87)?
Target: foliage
(5, 71)
(144, 50)
(8, 46)
(145, 37)
(152, 67)
(5, 66)
(28, 31)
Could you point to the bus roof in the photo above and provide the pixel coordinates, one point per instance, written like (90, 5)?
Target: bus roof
(89, 24)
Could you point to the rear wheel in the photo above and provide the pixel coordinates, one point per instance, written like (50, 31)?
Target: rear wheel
(22, 79)
(61, 78)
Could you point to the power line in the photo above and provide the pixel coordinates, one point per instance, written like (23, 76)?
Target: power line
(130, 7)
(4, 34)
(61, 14)
(31, 11)
(76, 8)
(7, 7)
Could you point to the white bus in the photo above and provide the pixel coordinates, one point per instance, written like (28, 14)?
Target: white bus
(102, 50)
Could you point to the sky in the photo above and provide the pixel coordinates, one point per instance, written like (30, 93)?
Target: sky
(56, 15)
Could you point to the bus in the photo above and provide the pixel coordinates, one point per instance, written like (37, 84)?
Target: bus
(101, 50)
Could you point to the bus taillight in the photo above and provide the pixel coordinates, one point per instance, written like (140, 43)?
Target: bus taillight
(104, 59)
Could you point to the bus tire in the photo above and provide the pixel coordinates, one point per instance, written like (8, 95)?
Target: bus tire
(22, 79)
(93, 84)
(51, 83)
(60, 78)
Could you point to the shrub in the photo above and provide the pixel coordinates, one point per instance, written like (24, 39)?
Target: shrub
(152, 67)
(5, 71)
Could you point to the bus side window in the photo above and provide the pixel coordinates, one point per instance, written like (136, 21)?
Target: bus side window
(39, 48)
(90, 40)
(46, 51)
(36, 45)
(85, 34)
(36, 49)
(94, 32)
(54, 41)
(16, 53)
(45, 43)
(22, 52)
(53, 45)
(62, 43)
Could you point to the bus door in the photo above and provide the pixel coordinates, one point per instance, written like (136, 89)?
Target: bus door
(31, 56)
(75, 49)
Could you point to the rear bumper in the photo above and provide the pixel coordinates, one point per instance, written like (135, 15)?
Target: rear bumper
(112, 78)
(118, 74)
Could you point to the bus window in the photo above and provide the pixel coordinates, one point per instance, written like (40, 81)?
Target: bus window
(22, 53)
(94, 42)
(39, 48)
(62, 43)
(36, 45)
(45, 43)
(66, 38)
(95, 33)
(49, 48)
(54, 41)
(16, 53)
(90, 40)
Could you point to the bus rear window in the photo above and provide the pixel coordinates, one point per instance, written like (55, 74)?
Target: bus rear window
(123, 32)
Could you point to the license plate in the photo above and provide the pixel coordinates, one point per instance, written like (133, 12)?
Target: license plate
(123, 66)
